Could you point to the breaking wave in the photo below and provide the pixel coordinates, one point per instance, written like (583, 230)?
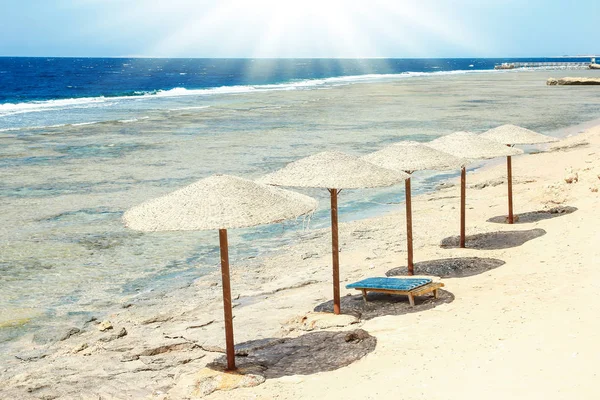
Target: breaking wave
(7, 109)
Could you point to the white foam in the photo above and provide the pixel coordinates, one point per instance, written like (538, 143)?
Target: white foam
(8, 109)
(79, 124)
(127, 121)
(32, 127)
(189, 108)
(403, 75)
(50, 103)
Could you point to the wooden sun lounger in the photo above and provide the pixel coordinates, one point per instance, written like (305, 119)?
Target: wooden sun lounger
(410, 287)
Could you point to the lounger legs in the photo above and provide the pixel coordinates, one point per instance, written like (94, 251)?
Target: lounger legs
(364, 293)
(411, 298)
(432, 287)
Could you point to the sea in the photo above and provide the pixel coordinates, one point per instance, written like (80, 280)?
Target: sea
(84, 139)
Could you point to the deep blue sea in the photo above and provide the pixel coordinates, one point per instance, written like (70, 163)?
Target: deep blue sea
(32, 89)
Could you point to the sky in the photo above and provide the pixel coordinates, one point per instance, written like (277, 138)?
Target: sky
(299, 28)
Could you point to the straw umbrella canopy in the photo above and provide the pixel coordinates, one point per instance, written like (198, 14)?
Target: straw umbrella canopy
(334, 171)
(472, 147)
(219, 202)
(511, 135)
(410, 157)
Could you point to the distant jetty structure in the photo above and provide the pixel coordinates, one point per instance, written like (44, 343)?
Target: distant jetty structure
(551, 64)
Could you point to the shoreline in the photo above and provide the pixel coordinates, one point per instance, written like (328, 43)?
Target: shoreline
(268, 287)
(156, 287)
(297, 233)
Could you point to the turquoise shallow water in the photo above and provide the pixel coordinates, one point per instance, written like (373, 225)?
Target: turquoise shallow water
(64, 253)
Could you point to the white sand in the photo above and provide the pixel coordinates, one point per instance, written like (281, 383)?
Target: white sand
(527, 329)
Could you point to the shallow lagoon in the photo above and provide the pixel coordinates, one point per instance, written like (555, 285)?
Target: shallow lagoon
(64, 253)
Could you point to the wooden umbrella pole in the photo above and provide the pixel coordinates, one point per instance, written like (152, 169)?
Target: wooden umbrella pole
(229, 344)
(463, 195)
(510, 196)
(335, 251)
(409, 235)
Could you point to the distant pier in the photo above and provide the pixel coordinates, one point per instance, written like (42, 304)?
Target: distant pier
(553, 64)
(562, 65)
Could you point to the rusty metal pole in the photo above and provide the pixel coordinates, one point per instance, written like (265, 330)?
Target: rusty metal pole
(335, 252)
(510, 196)
(409, 235)
(463, 195)
(229, 344)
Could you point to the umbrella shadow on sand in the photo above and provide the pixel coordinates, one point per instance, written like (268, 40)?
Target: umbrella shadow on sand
(535, 216)
(450, 267)
(304, 355)
(380, 304)
(494, 240)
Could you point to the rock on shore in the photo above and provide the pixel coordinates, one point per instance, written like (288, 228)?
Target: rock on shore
(573, 81)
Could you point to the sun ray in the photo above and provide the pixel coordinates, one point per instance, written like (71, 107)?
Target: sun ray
(294, 28)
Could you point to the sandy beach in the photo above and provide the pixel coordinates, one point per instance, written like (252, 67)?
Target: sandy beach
(519, 325)
(266, 200)
(63, 247)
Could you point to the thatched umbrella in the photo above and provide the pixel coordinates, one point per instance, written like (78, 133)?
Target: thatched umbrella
(410, 157)
(219, 202)
(511, 135)
(473, 147)
(334, 171)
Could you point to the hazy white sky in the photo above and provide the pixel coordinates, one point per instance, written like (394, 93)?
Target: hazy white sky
(299, 28)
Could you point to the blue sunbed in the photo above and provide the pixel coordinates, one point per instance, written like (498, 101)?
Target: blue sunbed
(405, 286)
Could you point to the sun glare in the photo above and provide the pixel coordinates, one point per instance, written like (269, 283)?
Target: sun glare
(310, 28)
